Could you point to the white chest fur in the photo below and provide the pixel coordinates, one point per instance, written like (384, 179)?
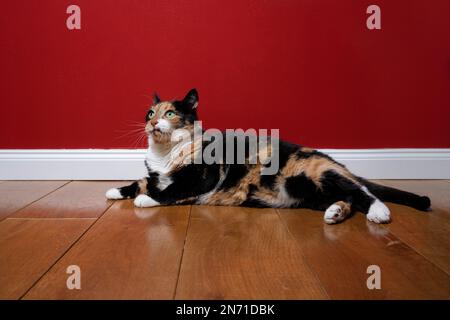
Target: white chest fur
(163, 158)
(158, 159)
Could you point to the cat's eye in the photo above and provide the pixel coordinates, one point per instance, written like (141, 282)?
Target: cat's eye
(151, 114)
(170, 114)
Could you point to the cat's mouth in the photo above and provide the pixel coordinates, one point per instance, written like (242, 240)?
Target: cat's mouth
(159, 136)
(157, 132)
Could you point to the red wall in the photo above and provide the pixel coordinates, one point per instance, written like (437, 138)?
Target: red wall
(308, 67)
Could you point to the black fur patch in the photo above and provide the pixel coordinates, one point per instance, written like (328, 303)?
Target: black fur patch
(390, 194)
(129, 191)
(190, 181)
(340, 188)
(235, 173)
(285, 151)
(300, 187)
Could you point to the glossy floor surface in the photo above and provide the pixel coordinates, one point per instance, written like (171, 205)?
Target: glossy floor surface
(199, 252)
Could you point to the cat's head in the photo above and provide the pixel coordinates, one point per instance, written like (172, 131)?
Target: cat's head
(164, 117)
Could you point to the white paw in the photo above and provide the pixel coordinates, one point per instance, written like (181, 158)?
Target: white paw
(144, 201)
(379, 213)
(334, 214)
(113, 193)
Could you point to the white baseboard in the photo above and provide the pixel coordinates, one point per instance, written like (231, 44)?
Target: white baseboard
(113, 164)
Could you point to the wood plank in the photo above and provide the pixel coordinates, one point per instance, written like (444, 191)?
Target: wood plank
(340, 255)
(243, 253)
(18, 194)
(28, 248)
(130, 253)
(78, 199)
(426, 232)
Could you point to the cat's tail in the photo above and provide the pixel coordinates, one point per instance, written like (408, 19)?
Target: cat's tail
(389, 194)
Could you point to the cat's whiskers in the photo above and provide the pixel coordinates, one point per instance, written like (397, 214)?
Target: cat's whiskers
(129, 133)
(139, 140)
(134, 130)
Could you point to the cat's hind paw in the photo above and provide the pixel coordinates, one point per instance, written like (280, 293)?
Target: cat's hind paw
(144, 201)
(379, 213)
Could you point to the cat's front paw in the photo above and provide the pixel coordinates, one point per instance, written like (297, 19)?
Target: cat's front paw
(144, 201)
(114, 194)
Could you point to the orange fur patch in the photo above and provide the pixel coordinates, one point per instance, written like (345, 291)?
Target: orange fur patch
(345, 206)
(314, 168)
(142, 186)
(238, 194)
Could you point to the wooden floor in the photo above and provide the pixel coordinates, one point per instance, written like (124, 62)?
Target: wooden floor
(199, 252)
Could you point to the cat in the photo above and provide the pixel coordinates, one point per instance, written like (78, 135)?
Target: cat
(306, 178)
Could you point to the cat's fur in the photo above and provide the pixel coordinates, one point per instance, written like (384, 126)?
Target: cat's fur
(306, 178)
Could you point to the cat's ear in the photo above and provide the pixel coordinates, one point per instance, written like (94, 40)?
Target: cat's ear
(156, 99)
(191, 99)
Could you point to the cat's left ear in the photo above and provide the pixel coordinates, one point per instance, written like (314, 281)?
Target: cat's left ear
(191, 99)
(156, 99)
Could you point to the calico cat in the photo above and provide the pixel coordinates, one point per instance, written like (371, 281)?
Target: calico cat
(305, 178)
